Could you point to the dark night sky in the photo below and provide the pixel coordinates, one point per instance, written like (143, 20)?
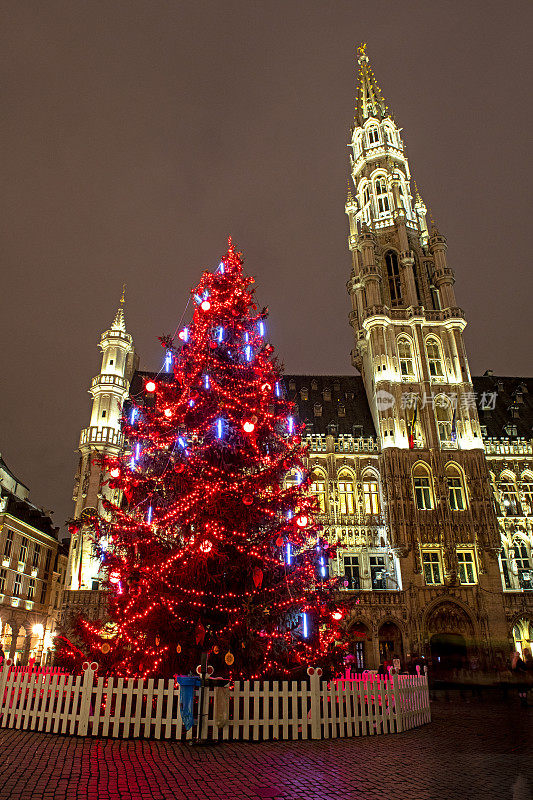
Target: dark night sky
(135, 136)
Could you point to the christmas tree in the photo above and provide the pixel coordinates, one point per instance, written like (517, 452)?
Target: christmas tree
(214, 550)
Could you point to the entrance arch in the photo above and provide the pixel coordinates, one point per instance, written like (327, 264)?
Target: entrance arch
(390, 642)
(5, 639)
(20, 646)
(358, 644)
(450, 633)
(523, 634)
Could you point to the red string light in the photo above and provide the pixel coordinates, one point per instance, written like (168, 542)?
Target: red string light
(199, 544)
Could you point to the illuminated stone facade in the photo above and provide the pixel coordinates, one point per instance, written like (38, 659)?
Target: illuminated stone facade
(422, 473)
(32, 574)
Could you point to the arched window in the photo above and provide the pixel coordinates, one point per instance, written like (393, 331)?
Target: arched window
(389, 135)
(371, 494)
(422, 488)
(382, 196)
(393, 275)
(522, 563)
(405, 355)
(508, 495)
(318, 488)
(444, 417)
(456, 486)
(434, 355)
(346, 493)
(373, 136)
(527, 491)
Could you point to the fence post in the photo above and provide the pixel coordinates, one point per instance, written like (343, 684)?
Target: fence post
(398, 702)
(4, 674)
(316, 726)
(87, 685)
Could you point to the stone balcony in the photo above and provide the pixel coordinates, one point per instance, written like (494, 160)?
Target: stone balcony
(109, 381)
(105, 435)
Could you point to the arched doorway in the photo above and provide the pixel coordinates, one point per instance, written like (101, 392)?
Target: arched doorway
(451, 635)
(390, 642)
(5, 639)
(523, 634)
(448, 651)
(358, 642)
(20, 647)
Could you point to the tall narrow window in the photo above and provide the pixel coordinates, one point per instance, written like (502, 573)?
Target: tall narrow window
(445, 420)
(422, 487)
(523, 564)
(378, 572)
(393, 275)
(351, 572)
(373, 136)
(371, 495)
(405, 354)
(346, 494)
(36, 555)
(457, 495)
(17, 586)
(23, 553)
(508, 497)
(434, 358)
(527, 491)
(505, 569)
(3, 580)
(31, 588)
(432, 567)
(318, 488)
(8, 547)
(467, 568)
(382, 196)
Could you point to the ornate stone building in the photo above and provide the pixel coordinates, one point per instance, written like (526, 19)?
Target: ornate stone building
(424, 475)
(32, 573)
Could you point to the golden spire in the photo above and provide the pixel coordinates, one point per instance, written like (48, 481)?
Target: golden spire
(119, 323)
(369, 101)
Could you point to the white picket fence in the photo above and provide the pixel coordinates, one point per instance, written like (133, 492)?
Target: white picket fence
(360, 705)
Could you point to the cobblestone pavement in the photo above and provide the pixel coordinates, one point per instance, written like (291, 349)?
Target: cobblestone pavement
(472, 751)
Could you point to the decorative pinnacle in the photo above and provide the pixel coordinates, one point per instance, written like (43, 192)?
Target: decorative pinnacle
(369, 101)
(119, 323)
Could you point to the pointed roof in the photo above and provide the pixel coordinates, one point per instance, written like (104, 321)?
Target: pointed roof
(369, 100)
(119, 323)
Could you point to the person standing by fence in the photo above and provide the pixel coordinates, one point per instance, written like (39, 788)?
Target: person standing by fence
(520, 673)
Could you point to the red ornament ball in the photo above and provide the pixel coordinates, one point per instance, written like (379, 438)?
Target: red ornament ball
(167, 412)
(279, 541)
(302, 520)
(247, 499)
(115, 472)
(248, 426)
(213, 345)
(150, 386)
(205, 305)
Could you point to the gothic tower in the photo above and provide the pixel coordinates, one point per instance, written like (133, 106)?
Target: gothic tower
(410, 351)
(109, 389)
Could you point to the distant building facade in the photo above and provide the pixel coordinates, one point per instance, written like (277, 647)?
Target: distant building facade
(33, 565)
(423, 474)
